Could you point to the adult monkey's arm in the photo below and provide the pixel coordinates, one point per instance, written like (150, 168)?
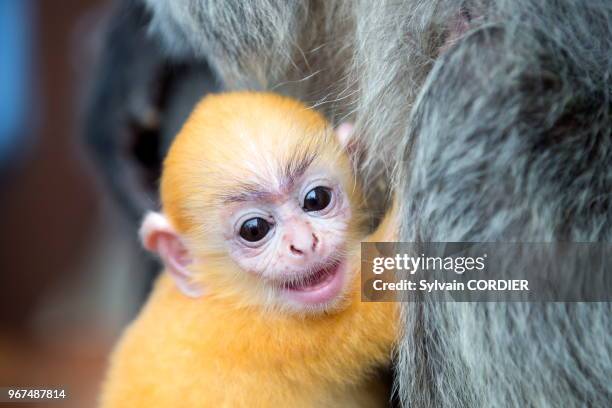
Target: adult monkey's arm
(511, 140)
(139, 99)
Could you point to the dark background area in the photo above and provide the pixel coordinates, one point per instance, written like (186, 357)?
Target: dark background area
(71, 272)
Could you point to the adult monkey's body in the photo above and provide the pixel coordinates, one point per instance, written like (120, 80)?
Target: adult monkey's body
(511, 141)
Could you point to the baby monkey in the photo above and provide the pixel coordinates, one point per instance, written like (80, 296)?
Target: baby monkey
(260, 228)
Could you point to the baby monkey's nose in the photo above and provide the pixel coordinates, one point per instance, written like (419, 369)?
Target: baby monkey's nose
(301, 246)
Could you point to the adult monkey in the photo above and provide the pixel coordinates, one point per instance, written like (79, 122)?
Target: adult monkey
(136, 105)
(508, 139)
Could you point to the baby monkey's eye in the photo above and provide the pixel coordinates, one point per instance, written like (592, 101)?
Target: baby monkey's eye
(254, 229)
(317, 199)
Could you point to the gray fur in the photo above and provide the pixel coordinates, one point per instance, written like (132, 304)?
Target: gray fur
(511, 140)
(506, 136)
(295, 47)
(258, 38)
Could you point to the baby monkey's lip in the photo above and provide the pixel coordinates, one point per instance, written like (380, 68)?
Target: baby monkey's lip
(321, 286)
(314, 279)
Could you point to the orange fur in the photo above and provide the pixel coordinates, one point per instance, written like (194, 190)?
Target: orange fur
(218, 350)
(204, 352)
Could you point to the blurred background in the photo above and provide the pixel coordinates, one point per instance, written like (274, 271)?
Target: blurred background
(72, 273)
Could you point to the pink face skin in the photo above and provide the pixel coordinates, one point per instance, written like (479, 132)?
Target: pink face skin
(298, 244)
(300, 257)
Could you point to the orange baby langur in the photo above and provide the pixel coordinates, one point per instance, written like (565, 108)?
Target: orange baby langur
(260, 305)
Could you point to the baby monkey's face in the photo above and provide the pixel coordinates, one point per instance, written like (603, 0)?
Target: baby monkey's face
(293, 236)
(259, 205)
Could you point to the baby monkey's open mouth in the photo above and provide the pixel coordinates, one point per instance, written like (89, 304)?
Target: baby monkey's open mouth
(320, 286)
(316, 279)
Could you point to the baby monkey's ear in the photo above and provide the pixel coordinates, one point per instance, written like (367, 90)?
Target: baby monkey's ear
(344, 132)
(159, 237)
